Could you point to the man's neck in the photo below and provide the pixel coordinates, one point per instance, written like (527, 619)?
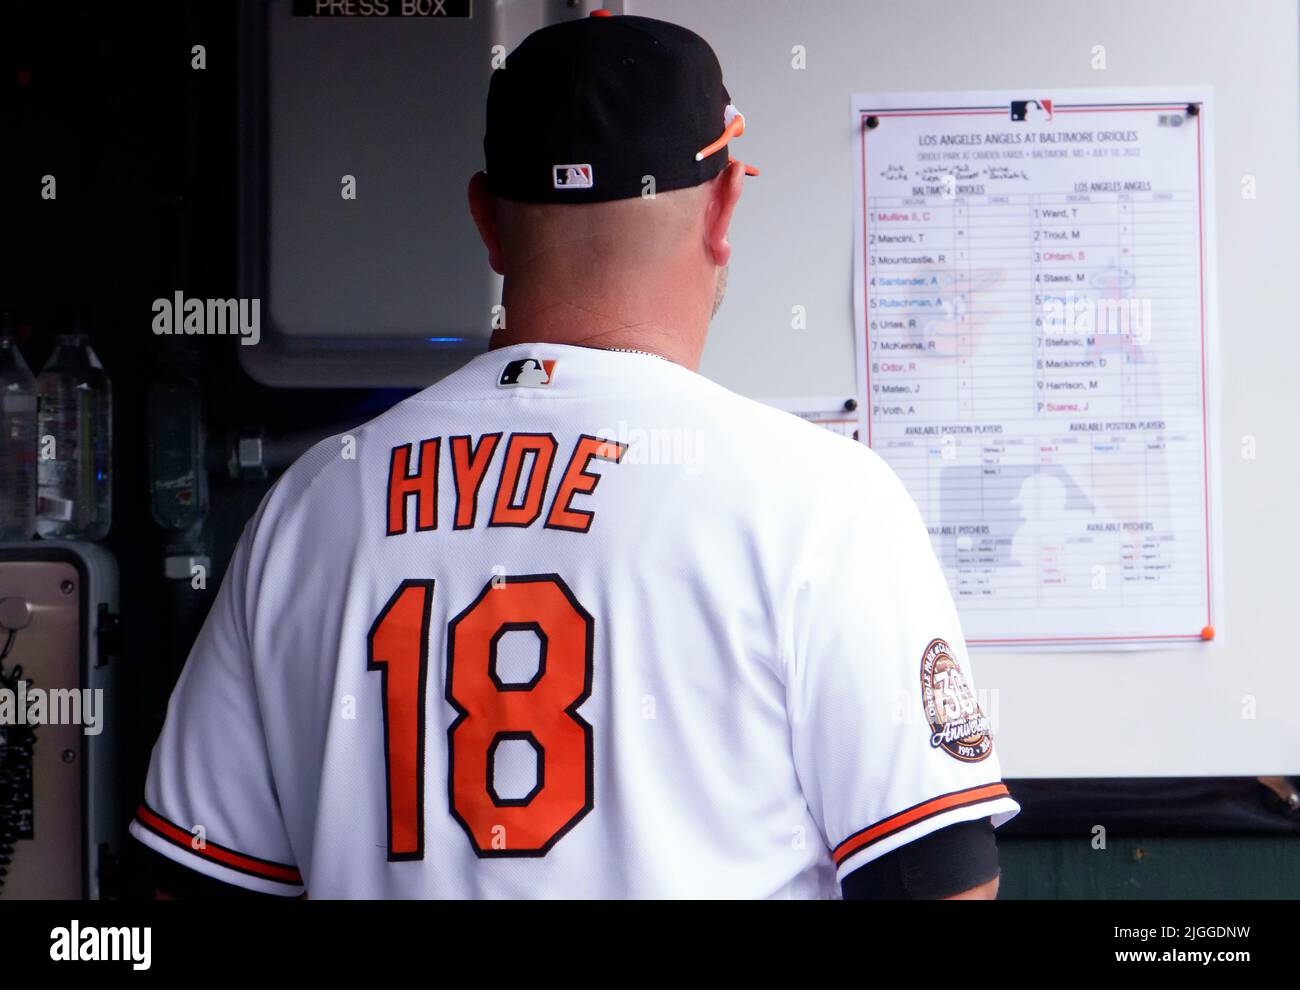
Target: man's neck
(582, 328)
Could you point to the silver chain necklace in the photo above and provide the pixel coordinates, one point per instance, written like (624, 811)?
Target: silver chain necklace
(633, 350)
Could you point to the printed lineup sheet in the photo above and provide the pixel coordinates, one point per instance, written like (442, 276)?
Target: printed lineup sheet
(1033, 302)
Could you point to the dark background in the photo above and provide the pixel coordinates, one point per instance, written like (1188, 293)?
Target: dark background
(143, 148)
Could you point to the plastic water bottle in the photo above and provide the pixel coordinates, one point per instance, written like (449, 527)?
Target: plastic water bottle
(17, 442)
(75, 436)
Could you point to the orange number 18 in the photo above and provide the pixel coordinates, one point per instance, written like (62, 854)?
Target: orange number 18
(542, 711)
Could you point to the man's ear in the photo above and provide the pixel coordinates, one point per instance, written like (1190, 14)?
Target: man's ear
(483, 208)
(722, 203)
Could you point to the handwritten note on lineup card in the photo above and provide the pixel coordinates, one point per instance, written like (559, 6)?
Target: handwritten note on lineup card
(1034, 312)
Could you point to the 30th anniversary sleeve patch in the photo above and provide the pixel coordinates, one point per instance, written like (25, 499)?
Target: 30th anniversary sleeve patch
(957, 726)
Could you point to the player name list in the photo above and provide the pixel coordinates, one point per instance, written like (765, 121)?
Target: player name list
(1035, 364)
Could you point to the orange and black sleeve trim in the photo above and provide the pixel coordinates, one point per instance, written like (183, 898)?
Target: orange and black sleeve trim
(211, 851)
(917, 813)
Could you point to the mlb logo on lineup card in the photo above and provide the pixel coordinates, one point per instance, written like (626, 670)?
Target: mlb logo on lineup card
(528, 373)
(1034, 111)
(571, 176)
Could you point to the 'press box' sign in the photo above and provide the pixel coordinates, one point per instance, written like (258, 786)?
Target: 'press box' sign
(381, 8)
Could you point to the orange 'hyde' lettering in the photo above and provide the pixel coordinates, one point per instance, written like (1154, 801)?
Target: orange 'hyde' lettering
(422, 486)
(520, 493)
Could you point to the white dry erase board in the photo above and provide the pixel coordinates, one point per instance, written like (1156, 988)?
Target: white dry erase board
(1035, 324)
(1226, 707)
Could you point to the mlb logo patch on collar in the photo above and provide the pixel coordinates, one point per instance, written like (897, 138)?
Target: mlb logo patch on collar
(527, 373)
(571, 176)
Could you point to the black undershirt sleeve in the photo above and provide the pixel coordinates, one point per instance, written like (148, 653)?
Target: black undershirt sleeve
(945, 862)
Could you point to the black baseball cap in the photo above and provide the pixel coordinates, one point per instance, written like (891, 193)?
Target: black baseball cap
(585, 109)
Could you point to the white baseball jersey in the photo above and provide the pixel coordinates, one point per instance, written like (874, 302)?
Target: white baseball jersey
(573, 623)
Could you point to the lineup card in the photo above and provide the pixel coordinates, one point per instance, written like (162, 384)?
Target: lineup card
(1033, 303)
